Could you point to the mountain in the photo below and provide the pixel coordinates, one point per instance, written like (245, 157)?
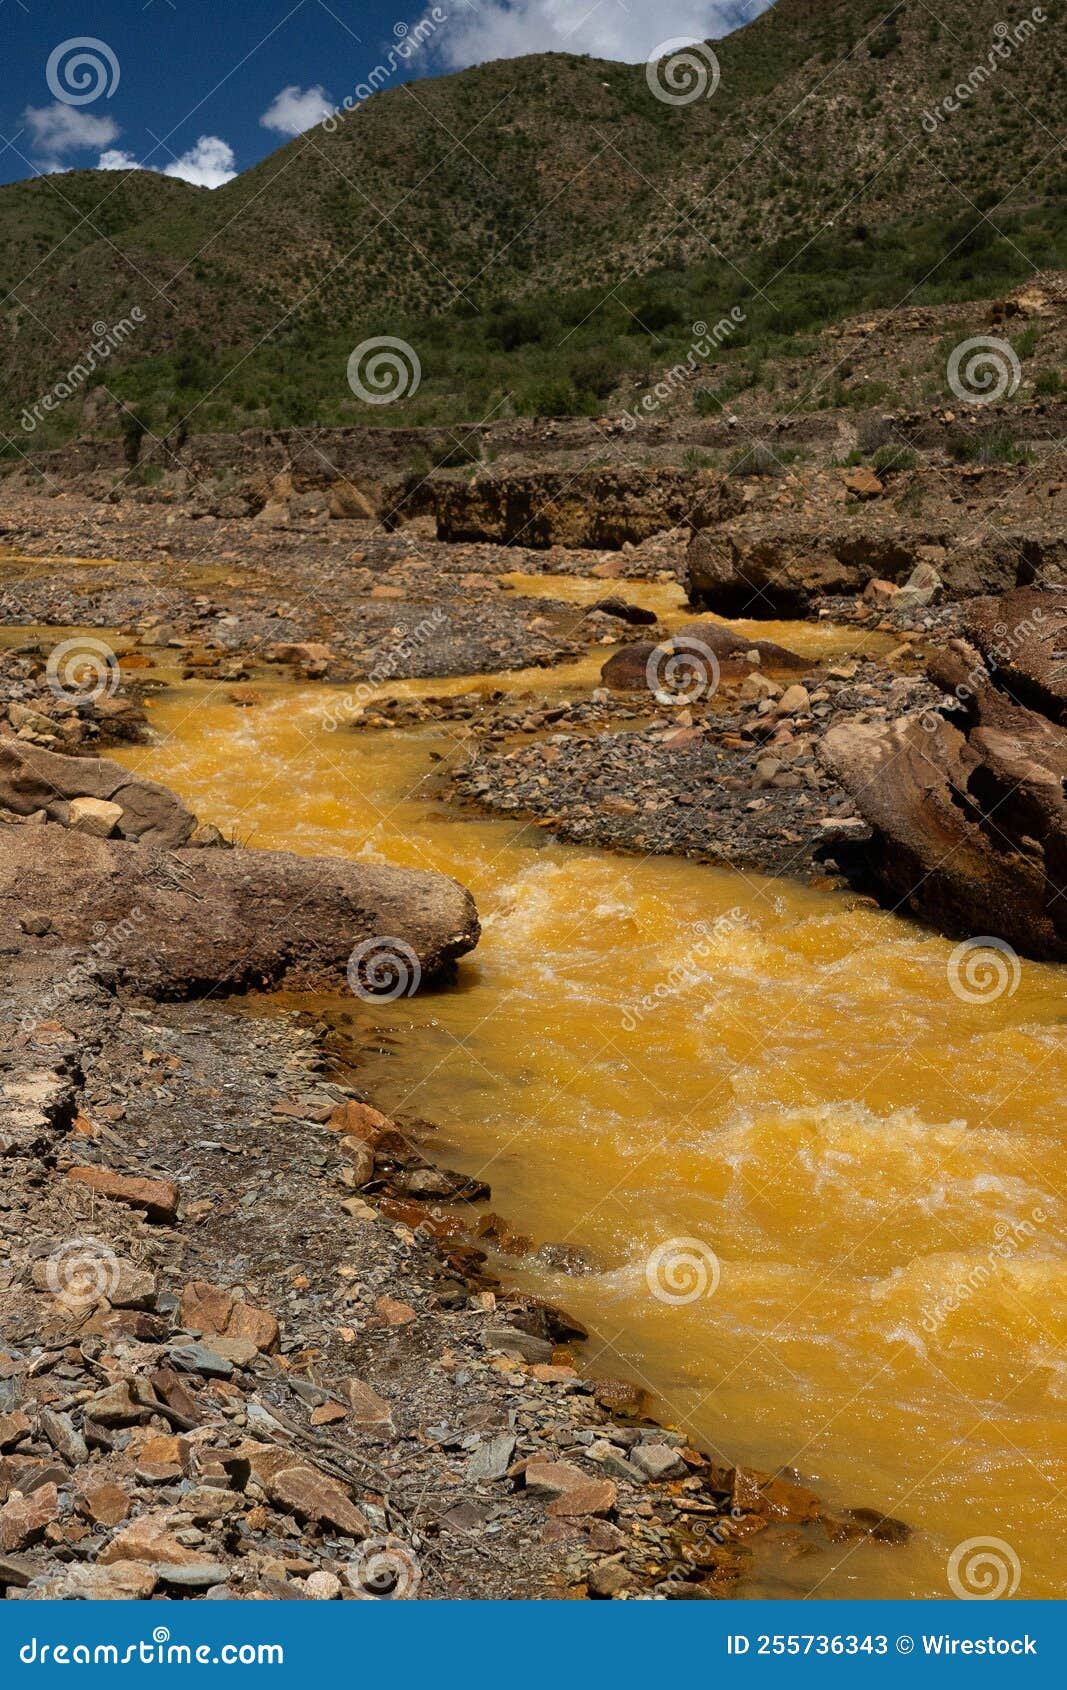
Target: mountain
(540, 228)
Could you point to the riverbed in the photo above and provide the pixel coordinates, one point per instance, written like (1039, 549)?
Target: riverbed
(813, 1162)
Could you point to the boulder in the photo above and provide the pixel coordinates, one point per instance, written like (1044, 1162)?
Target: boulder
(966, 804)
(193, 919)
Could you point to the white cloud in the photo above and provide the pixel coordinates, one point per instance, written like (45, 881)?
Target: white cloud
(116, 159)
(630, 32)
(208, 164)
(296, 109)
(57, 130)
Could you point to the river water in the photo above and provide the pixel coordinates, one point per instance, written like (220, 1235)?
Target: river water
(817, 1170)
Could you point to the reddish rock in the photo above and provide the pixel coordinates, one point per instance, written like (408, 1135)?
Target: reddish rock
(24, 1519)
(368, 1408)
(394, 1313)
(105, 1504)
(157, 1197)
(359, 1120)
(311, 1495)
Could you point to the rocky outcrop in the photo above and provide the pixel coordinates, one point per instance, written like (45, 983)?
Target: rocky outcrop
(90, 793)
(600, 508)
(168, 923)
(96, 861)
(966, 803)
(762, 566)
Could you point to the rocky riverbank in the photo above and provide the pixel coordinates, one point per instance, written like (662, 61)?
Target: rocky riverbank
(253, 1344)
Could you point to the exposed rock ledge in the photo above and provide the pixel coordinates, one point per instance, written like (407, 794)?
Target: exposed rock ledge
(172, 921)
(967, 804)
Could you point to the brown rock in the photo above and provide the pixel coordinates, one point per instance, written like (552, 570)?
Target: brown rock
(862, 483)
(359, 1120)
(14, 1429)
(368, 1408)
(258, 1325)
(569, 1491)
(149, 1538)
(24, 1519)
(157, 1197)
(311, 1495)
(205, 1307)
(360, 1156)
(105, 1504)
(394, 1313)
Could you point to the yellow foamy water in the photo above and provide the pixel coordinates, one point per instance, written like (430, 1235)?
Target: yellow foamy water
(719, 1084)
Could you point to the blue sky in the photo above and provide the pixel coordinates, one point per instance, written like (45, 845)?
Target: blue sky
(204, 88)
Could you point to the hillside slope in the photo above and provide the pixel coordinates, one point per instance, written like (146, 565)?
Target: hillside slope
(527, 178)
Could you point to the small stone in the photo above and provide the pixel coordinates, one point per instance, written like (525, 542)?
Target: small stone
(394, 1313)
(258, 1325)
(97, 816)
(323, 1587)
(197, 1358)
(157, 1197)
(658, 1461)
(609, 1580)
(311, 1495)
(198, 1575)
(368, 1408)
(515, 1343)
(491, 1460)
(24, 1519)
(14, 1429)
(104, 1504)
(359, 1120)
